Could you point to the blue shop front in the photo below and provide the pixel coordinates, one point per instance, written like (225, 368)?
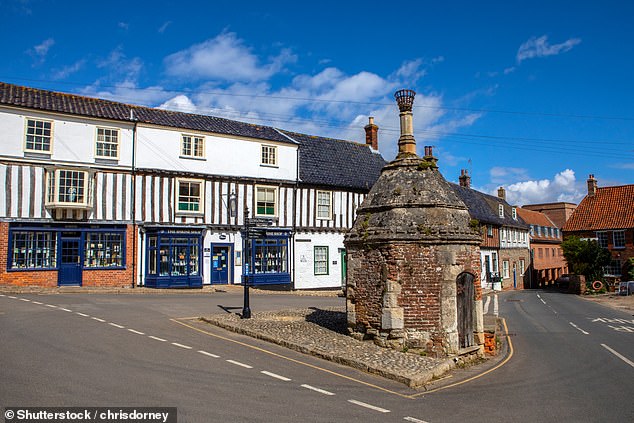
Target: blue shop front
(266, 256)
(173, 257)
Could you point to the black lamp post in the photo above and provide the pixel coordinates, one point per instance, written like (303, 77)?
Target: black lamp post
(246, 252)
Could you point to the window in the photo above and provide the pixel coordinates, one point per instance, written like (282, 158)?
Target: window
(190, 197)
(505, 269)
(514, 213)
(69, 188)
(103, 249)
(495, 262)
(602, 239)
(269, 155)
(324, 205)
(614, 269)
(39, 136)
(107, 143)
(193, 146)
(539, 231)
(501, 210)
(540, 253)
(33, 250)
(490, 231)
(522, 267)
(321, 260)
(266, 201)
(618, 239)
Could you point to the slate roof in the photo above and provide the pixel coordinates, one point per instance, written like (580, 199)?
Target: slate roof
(338, 163)
(51, 101)
(609, 208)
(484, 208)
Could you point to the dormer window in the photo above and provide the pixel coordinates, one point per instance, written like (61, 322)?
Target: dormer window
(69, 188)
(501, 211)
(514, 213)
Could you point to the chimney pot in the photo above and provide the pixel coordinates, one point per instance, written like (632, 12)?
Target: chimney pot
(502, 193)
(465, 179)
(372, 134)
(592, 185)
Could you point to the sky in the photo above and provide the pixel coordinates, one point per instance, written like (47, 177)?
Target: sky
(533, 96)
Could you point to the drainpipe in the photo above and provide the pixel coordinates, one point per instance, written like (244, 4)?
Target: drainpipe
(134, 234)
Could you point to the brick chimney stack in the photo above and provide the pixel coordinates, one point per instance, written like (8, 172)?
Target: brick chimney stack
(592, 185)
(372, 134)
(406, 142)
(502, 193)
(465, 179)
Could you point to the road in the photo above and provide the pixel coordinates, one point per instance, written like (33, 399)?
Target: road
(572, 361)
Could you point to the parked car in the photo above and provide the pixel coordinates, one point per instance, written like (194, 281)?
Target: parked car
(562, 281)
(626, 288)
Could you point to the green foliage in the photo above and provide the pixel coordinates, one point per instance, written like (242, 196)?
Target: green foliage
(585, 257)
(629, 269)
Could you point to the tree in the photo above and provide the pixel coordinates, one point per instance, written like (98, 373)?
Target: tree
(585, 257)
(629, 269)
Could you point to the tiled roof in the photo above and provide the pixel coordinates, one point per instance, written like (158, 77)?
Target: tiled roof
(51, 101)
(484, 208)
(535, 218)
(609, 208)
(332, 162)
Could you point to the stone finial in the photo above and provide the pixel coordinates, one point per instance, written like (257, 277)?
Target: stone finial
(406, 142)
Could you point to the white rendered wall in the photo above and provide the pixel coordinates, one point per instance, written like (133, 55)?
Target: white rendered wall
(305, 277)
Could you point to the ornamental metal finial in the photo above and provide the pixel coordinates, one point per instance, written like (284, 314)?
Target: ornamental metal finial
(405, 99)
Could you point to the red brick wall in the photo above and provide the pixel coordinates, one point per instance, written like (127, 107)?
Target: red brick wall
(48, 278)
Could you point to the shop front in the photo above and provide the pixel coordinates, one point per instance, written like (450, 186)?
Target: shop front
(266, 256)
(174, 257)
(75, 252)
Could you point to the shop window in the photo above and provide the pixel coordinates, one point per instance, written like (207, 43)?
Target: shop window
(33, 250)
(104, 249)
(152, 258)
(39, 136)
(193, 146)
(270, 255)
(190, 196)
(321, 260)
(266, 204)
(324, 205)
(69, 188)
(107, 146)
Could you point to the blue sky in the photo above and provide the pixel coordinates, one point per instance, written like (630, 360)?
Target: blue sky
(533, 96)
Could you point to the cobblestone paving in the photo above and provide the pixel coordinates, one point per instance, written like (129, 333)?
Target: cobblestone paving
(320, 332)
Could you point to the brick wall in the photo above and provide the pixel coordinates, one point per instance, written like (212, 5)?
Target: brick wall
(622, 254)
(513, 256)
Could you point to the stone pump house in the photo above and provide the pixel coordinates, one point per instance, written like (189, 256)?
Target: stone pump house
(413, 257)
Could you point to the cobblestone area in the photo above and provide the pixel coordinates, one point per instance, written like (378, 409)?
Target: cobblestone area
(321, 332)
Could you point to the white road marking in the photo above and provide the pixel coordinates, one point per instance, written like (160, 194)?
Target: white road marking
(50, 305)
(82, 314)
(413, 420)
(11, 296)
(65, 309)
(486, 305)
(98, 319)
(579, 329)
(276, 376)
(136, 331)
(36, 302)
(321, 391)
(208, 354)
(116, 325)
(2, 295)
(496, 305)
(371, 407)
(237, 363)
(187, 347)
(157, 338)
(25, 299)
(628, 361)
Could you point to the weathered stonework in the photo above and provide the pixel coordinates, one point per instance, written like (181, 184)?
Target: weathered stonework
(410, 242)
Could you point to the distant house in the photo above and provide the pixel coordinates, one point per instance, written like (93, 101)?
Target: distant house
(547, 260)
(558, 213)
(504, 250)
(607, 215)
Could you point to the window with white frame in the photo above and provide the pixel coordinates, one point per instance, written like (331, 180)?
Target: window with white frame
(39, 136)
(107, 145)
(190, 196)
(269, 155)
(614, 269)
(324, 205)
(522, 267)
(514, 212)
(321, 260)
(505, 269)
(500, 210)
(266, 201)
(69, 188)
(489, 231)
(602, 239)
(618, 239)
(193, 146)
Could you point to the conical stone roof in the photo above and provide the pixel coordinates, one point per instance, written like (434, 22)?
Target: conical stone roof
(412, 202)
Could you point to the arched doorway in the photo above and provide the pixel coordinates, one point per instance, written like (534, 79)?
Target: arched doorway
(465, 295)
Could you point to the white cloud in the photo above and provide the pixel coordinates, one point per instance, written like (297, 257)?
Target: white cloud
(66, 71)
(40, 51)
(225, 58)
(123, 25)
(562, 187)
(163, 27)
(539, 47)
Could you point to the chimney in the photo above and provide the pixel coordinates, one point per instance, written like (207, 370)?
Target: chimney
(592, 185)
(502, 193)
(372, 134)
(465, 179)
(406, 142)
